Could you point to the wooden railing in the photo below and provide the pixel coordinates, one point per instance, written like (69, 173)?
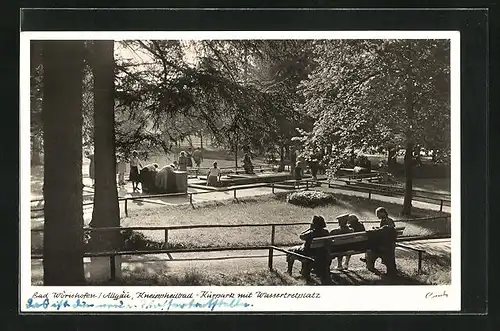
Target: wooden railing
(291, 185)
(442, 198)
(271, 248)
(234, 189)
(273, 226)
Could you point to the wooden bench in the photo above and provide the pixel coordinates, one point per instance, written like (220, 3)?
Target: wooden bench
(358, 240)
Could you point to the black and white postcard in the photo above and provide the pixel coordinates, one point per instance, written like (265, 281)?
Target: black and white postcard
(246, 171)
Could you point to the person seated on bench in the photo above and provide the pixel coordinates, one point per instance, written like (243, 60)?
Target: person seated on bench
(321, 254)
(213, 177)
(355, 226)
(384, 218)
(342, 229)
(386, 252)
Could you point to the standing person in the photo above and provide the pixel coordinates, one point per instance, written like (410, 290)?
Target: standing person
(122, 167)
(342, 229)
(189, 156)
(213, 177)
(135, 164)
(90, 156)
(298, 171)
(314, 165)
(183, 161)
(197, 157)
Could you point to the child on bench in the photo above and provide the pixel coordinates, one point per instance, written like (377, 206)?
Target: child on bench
(342, 229)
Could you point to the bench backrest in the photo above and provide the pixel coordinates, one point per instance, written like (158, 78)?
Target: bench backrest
(348, 238)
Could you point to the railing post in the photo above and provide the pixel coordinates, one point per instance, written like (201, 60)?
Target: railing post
(270, 261)
(166, 237)
(441, 205)
(112, 267)
(419, 261)
(126, 205)
(273, 232)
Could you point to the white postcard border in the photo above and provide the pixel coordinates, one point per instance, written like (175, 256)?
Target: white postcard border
(331, 298)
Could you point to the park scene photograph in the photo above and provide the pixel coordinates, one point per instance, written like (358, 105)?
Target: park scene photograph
(237, 162)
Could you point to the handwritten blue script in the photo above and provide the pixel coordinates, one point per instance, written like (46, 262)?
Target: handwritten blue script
(211, 304)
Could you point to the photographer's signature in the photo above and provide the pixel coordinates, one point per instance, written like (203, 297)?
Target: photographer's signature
(435, 295)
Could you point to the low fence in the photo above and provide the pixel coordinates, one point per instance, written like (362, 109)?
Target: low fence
(271, 248)
(304, 183)
(272, 226)
(291, 185)
(431, 196)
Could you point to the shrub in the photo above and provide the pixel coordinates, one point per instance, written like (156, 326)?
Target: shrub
(310, 198)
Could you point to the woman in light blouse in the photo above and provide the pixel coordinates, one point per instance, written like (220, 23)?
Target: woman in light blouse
(135, 163)
(214, 174)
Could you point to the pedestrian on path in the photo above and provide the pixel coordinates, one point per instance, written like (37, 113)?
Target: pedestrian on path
(189, 156)
(90, 156)
(183, 161)
(197, 157)
(121, 168)
(135, 165)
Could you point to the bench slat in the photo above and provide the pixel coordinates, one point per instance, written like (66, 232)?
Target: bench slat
(347, 238)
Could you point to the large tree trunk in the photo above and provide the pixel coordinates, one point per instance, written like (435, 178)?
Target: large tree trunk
(409, 135)
(282, 158)
(36, 150)
(63, 188)
(106, 212)
(293, 160)
(35, 61)
(236, 152)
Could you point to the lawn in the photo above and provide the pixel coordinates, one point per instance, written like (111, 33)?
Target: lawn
(265, 209)
(257, 210)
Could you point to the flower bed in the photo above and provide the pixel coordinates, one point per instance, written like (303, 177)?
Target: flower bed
(310, 198)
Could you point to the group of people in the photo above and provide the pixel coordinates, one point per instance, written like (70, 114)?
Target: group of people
(186, 158)
(347, 223)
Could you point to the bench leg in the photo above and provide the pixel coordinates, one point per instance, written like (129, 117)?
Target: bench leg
(346, 263)
(419, 261)
(370, 260)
